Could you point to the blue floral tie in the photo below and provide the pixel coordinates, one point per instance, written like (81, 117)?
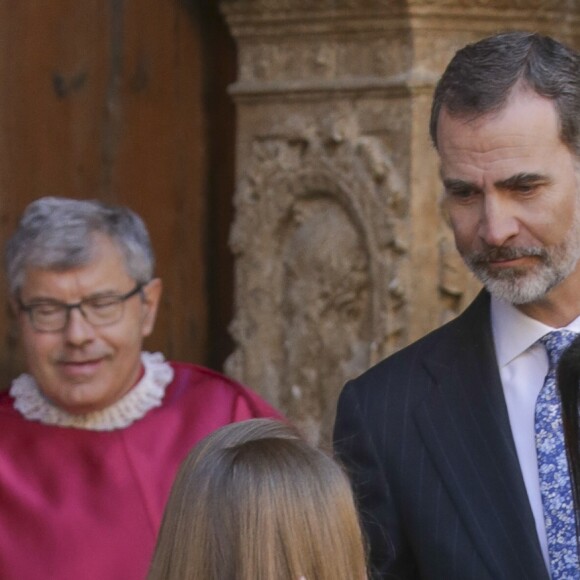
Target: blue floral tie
(555, 484)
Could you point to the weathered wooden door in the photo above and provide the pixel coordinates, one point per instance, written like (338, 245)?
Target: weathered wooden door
(125, 101)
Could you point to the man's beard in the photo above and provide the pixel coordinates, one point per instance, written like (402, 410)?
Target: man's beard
(522, 285)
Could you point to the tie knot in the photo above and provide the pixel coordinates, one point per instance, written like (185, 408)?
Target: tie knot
(556, 342)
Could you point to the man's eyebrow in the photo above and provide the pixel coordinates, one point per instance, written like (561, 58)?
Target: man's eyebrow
(41, 299)
(519, 179)
(38, 300)
(523, 178)
(458, 185)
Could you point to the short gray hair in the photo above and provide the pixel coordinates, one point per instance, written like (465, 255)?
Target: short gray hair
(57, 234)
(480, 77)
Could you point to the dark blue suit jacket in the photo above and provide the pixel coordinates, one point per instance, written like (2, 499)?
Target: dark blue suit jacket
(425, 436)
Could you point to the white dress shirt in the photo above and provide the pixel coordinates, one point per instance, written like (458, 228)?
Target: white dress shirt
(523, 366)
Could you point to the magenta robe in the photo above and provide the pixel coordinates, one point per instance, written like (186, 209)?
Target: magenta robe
(87, 505)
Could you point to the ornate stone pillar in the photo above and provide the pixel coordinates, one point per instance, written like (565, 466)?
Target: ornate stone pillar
(342, 256)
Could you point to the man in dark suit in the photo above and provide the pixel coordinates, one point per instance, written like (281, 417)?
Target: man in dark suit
(440, 438)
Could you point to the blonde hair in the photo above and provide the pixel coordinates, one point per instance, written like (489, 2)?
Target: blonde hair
(254, 501)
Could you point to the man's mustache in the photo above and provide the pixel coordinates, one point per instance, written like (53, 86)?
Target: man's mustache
(495, 254)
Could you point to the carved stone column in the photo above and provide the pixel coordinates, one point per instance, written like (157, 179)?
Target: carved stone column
(342, 256)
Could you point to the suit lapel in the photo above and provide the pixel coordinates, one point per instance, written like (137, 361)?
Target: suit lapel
(465, 426)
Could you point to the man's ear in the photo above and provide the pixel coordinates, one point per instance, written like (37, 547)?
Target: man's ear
(151, 297)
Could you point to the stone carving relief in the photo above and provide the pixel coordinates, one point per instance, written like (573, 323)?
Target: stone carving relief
(555, 5)
(282, 5)
(319, 239)
(360, 6)
(323, 58)
(326, 309)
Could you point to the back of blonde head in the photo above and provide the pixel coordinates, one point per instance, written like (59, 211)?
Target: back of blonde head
(253, 501)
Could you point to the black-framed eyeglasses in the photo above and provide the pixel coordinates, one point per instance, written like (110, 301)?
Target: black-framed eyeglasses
(53, 316)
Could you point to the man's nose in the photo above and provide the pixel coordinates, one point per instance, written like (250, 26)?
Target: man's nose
(498, 221)
(78, 330)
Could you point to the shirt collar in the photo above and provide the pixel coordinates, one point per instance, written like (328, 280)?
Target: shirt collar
(514, 332)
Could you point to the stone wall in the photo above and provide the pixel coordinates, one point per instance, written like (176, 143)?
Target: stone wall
(342, 255)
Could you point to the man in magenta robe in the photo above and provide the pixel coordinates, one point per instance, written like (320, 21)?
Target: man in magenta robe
(92, 436)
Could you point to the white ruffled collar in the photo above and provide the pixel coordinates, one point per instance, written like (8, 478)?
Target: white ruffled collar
(145, 395)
